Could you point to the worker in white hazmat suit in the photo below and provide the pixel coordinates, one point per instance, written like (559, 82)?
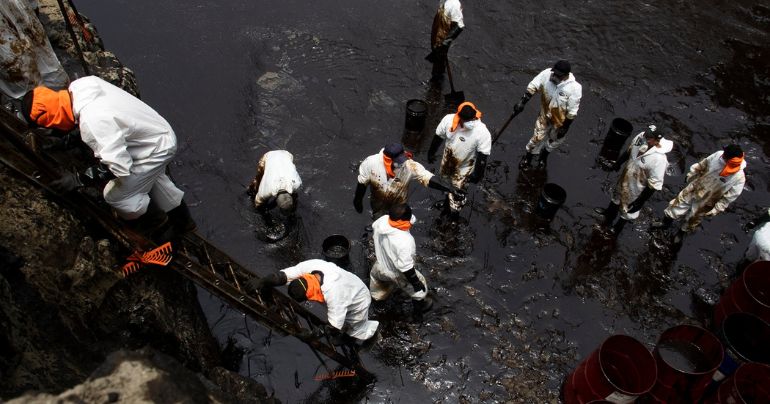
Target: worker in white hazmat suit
(390, 173)
(346, 297)
(447, 26)
(712, 184)
(560, 96)
(133, 143)
(26, 57)
(643, 174)
(395, 250)
(759, 248)
(468, 145)
(276, 182)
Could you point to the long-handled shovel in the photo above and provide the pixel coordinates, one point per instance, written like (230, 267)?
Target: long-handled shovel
(454, 98)
(505, 125)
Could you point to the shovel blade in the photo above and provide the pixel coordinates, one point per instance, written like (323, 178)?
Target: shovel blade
(453, 99)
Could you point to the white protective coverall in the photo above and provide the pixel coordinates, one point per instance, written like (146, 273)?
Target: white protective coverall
(460, 150)
(132, 140)
(558, 102)
(276, 172)
(448, 12)
(395, 250)
(26, 57)
(347, 298)
(707, 193)
(387, 192)
(759, 248)
(645, 168)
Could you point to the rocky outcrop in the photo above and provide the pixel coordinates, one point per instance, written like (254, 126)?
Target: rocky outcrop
(71, 321)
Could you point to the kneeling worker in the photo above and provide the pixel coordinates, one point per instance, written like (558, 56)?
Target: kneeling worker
(395, 249)
(345, 295)
(133, 143)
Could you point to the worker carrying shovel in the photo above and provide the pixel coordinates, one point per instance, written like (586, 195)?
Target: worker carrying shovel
(560, 97)
(447, 26)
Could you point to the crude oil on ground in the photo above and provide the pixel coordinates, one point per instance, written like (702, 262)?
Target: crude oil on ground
(519, 302)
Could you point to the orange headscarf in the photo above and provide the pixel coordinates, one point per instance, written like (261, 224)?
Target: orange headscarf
(400, 224)
(732, 166)
(456, 120)
(52, 109)
(313, 290)
(388, 165)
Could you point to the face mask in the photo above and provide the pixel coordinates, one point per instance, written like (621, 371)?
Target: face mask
(470, 124)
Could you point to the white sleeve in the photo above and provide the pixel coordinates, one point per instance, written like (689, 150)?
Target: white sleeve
(444, 126)
(537, 83)
(454, 11)
(363, 171)
(656, 174)
(731, 194)
(335, 314)
(573, 102)
(484, 145)
(108, 140)
(405, 257)
(296, 272)
(420, 173)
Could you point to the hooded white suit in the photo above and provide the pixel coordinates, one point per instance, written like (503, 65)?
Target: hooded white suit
(759, 248)
(347, 299)
(395, 250)
(707, 193)
(132, 140)
(645, 168)
(557, 103)
(276, 172)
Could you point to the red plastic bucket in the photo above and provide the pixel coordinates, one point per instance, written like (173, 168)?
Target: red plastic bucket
(749, 385)
(621, 370)
(687, 357)
(749, 293)
(745, 338)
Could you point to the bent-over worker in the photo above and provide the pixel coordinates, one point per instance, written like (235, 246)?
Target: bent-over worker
(759, 248)
(276, 183)
(133, 143)
(346, 297)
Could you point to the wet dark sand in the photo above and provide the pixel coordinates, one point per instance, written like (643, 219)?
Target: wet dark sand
(519, 303)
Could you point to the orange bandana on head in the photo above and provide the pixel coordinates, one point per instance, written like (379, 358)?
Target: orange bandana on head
(388, 165)
(456, 120)
(52, 109)
(732, 166)
(400, 224)
(313, 290)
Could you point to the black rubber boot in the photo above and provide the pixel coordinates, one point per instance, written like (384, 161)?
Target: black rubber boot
(609, 213)
(542, 161)
(526, 161)
(422, 306)
(618, 227)
(663, 224)
(182, 220)
(152, 223)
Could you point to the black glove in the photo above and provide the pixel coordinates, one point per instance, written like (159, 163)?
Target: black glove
(411, 276)
(764, 217)
(96, 174)
(636, 205)
(619, 162)
(68, 182)
(434, 145)
(269, 281)
(523, 101)
(454, 32)
(562, 131)
(64, 142)
(479, 168)
(358, 199)
(441, 185)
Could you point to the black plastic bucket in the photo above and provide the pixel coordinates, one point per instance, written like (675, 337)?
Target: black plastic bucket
(551, 198)
(416, 112)
(336, 249)
(620, 130)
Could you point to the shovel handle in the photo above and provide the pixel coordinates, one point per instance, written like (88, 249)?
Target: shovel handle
(505, 125)
(449, 73)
